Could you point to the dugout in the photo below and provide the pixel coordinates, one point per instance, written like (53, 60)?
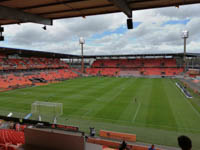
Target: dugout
(51, 139)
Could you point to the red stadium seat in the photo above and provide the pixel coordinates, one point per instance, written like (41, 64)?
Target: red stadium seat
(11, 137)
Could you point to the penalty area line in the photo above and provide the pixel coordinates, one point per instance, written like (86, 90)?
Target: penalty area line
(138, 108)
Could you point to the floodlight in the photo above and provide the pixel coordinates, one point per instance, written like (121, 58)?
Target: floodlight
(185, 34)
(81, 40)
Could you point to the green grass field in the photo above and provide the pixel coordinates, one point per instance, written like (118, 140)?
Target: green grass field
(160, 114)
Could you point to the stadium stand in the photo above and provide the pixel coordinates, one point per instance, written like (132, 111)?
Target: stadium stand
(30, 63)
(103, 71)
(135, 67)
(20, 72)
(25, 67)
(29, 78)
(28, 71)
(193, 72)
(11, 137)
(134, 63)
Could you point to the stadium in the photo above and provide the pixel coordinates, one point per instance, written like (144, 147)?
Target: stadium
(52, 100)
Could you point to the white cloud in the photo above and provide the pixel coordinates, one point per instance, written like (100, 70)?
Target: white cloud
(151, 36)
(183, 12)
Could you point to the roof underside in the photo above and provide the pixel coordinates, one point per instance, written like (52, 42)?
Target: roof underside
(55, 9)
(33, 53)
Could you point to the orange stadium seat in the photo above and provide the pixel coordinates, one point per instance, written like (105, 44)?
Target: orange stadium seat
(20, 72)
(141, 66)
(31, 63)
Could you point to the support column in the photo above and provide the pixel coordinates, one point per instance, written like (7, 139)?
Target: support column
(82, 63)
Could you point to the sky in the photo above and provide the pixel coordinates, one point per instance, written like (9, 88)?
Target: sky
(155, 31)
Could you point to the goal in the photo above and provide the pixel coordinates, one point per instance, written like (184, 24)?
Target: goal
(46, 111)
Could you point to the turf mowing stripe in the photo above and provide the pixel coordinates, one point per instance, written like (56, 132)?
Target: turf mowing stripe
(176, 106)
(128, 96)
(182, 112)
(184, 115)
(147, 135)
(114, 108)
(94, 104)
(143, 94)
(159, 110)
(127, 123)
(10, 102)
(188, 102)
(193, 108)
(98, 94)
(110, 82)
(83, 101)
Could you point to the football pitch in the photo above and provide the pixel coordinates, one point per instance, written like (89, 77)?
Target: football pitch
(154, 109)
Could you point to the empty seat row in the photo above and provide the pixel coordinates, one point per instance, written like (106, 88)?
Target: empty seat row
(136, 72)
(30, 63)
(26, 78)
(123, 63)
(11, 137)
(103, 71)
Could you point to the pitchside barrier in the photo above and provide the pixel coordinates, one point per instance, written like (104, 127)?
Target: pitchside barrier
(118, 135)
(116, 145)
(103, 142)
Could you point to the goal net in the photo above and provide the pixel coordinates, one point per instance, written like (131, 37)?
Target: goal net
(46, 111)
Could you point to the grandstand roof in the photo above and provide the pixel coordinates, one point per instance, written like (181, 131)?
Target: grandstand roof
(44, 11)
(145, 55)
(33, 53)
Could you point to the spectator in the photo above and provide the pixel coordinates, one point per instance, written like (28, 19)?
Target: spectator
(123, 146)
(184, 142)
(152, 147)
(92, 132)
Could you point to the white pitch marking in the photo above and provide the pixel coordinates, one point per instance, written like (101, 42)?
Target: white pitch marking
(143, 124)
(138, 108)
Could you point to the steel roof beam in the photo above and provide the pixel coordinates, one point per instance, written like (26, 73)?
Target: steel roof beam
(15, 14)
(64, 2)
(123, 6)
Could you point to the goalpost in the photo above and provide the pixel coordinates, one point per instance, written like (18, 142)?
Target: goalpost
(46, 111)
